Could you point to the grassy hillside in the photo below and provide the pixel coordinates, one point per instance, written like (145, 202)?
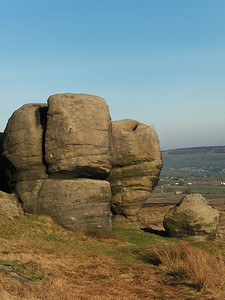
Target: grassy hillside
(128, 264)
(41, 260)
(197, 162)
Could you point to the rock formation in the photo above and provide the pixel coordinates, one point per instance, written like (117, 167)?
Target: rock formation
(194, 217)
(78, 137)
(136, 166)
(23, 142)
(62, 153)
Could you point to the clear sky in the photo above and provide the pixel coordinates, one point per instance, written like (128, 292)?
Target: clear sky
(161, 62)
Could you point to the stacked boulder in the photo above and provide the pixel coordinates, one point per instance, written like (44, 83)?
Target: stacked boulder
(136, 166)
(63, 154)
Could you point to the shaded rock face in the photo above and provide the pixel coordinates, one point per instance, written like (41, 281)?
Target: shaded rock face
(136, 166)
(89, 208)
(78, 137)
(7, 171)
(23, 142)
(194, 217)
(78, 204)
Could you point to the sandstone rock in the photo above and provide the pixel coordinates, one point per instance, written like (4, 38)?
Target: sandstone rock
(23, 142)
(78, 137)
(76, 204)
(28, 192)
(192, 216)
(8, 205)
(136, 166)
(79, 204)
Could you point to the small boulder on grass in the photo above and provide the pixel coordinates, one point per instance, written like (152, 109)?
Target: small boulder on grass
(194, 217)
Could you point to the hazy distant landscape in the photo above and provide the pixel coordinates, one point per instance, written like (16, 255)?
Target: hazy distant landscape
(192, 170)
(197, 162)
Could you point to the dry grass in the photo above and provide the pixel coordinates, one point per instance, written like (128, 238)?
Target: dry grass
(71, 264)
(79, 277)
(194, 266)
(81, 266)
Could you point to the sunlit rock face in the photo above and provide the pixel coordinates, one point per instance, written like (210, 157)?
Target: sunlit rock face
(136, 166)
(78, 141)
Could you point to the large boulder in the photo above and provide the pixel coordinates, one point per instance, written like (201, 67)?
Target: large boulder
(136, 166)
(194, 217)
(78, 140)
(23, 142)
(76, 204)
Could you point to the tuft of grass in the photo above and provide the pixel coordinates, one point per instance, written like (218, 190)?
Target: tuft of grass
(193, 266)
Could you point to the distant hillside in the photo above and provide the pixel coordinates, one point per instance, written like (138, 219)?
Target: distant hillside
(195, 150)
(197, 161)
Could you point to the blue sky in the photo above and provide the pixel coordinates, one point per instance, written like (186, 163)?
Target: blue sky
(161, 62)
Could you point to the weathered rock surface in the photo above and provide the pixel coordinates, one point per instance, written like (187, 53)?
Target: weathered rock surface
(78, 137)
(8, 205)
(76, 204)
(28, 192)
(23, 142)
(194, 217)
(136, 166)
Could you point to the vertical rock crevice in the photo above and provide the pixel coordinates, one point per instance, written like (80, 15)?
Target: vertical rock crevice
(43, 121)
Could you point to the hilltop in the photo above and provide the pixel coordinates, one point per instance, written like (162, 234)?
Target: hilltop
(195, 150)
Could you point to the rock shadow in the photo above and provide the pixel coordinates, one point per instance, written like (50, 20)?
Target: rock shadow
(154, 231)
